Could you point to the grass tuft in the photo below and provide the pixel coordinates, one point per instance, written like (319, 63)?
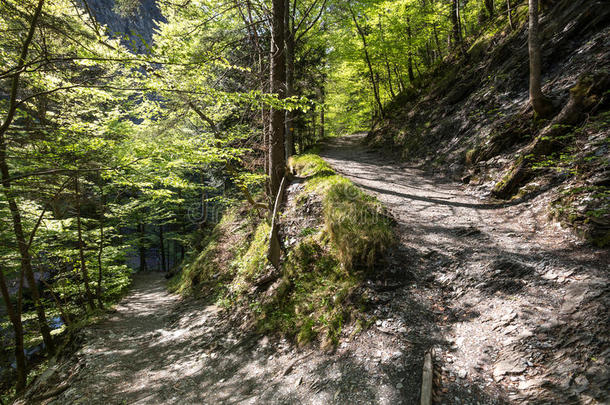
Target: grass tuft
(314, 294)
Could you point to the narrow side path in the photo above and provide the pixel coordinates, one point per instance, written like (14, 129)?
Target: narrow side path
(522, 305)
(158, 348)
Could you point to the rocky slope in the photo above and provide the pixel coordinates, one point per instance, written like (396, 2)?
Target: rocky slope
(137, 23)
(470, 119)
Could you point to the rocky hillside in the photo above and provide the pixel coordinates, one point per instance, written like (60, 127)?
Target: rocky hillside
(138, 22)
(470, 118)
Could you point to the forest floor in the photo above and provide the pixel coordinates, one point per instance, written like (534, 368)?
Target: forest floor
(515, 309)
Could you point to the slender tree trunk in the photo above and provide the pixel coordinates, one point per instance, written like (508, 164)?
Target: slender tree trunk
(26, 259)
(368, 62)
(58, 303)
(290, 51)
(100, 251)
(141, 229)
(438, 45)
(385, 58)
(510, 15)
(204, 202)
(455, 23)
(401, 82)
(410, 66)
(162, 247)
(322, 115)
(14, 316)
(81, 247)
(313, 123)
(389, 71)
(541, 104)
(277, 153)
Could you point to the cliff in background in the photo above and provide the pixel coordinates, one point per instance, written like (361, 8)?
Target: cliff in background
(138, 25)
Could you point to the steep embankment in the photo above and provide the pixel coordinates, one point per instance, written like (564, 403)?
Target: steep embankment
(469, 118)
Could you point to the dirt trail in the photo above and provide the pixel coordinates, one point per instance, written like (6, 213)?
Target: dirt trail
(516, 312)
(521, 304)
(160, 349)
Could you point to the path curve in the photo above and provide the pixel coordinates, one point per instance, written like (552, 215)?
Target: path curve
(522, 303)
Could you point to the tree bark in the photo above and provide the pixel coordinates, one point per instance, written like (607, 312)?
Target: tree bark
(541, 104)
(409, 38)
(290, 55)
(455, 23)
(81, 247)
(15, 317)
(162, 247)
(368, 62)
(277, 153)
(141, 230)
(100, 251)
(322, 115)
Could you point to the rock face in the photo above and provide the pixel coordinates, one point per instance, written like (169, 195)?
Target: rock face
(138, 25)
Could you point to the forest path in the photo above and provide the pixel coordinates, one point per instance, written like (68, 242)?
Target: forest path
(159, 348)
(521, 304)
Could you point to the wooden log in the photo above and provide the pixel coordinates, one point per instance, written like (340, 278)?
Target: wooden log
(426, 383)
(274, 239)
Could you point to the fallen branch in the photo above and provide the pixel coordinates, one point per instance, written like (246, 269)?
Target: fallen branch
(426, 383)
(52, 393)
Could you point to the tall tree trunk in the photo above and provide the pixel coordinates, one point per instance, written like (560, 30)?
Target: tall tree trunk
(100, 250)
(81, 247)
(398, 73)
(141, 230)
(26, 259)
(277, 153)
(438, 45)
(162, 247)
(368, 62)
(290, 55)
(385, 58)
(14, 316)
(410, 44)
(322, 116)
(313, 124)
(541, 104)
(455, 23)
